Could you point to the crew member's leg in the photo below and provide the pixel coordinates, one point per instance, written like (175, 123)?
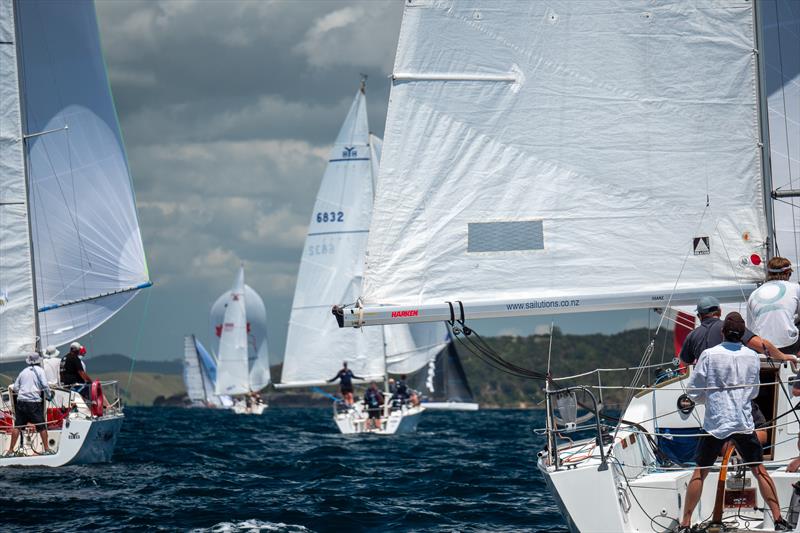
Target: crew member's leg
(707, 450)
(751, 452)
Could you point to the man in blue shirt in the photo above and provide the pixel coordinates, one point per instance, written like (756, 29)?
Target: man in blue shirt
(345, 377)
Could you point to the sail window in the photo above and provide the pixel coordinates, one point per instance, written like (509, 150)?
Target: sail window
(505, 236)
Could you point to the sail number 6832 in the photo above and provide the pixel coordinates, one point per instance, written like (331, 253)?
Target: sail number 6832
(330, 216)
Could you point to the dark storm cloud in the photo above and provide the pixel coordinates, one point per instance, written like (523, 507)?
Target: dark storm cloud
(228, 110)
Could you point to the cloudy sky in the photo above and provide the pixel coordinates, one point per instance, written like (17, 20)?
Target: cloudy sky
(228, 110)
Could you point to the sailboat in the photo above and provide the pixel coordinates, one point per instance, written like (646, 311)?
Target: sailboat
(239, 320)
(444, 382)
(565, 156)
(71, 251)
(200, 375)
(330, 272)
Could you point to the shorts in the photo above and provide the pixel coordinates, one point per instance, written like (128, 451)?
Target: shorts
(346, 390)
(29, 413)
(747, 445)
(374, 413)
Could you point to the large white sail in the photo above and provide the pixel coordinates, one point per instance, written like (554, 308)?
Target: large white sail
(780, 20)
(545, 157)
(17, 308)
(89, 258)
(232, 367)
(332, 264)
(257, 344)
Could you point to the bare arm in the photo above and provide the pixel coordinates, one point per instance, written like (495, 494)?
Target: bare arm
(762, 345)
(84, 376)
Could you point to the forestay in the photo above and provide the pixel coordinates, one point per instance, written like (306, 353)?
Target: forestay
(17, 307)
(544, 157)
(89, 259)
(232, 367)
(257, 345)
(332, 265)
(780, 20)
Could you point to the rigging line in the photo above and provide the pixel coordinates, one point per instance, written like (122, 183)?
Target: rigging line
(138, 340)
(730, 261)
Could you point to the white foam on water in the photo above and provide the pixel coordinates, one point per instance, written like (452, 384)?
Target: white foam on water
(253, 526)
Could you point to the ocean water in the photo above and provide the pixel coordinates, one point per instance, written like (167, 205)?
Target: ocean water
(291, 471)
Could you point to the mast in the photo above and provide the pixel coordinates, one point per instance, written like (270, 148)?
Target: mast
(763, 119)
(26, 170)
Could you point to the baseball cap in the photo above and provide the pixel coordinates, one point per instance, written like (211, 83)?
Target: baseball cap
(706, 304)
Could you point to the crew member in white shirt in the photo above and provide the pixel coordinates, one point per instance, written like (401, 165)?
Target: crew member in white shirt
(772, 308)
(30, 384)
(725, 380)
(52, 364)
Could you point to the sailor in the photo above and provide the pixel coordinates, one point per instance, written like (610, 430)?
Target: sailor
(73, 371)
(374, 401)
(401, 389)
(728, 415)
(31, 386)
(345, 377)
(709, 333)
(52, 364)
(772, 308)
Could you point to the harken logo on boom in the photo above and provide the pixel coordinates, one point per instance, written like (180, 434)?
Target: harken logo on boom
(403, 314)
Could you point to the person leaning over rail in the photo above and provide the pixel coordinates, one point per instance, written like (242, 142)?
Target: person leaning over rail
(728, 416)
(773, 308)
(30, 385)
(709, 333)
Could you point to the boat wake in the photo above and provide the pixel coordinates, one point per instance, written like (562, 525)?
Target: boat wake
(252, 526)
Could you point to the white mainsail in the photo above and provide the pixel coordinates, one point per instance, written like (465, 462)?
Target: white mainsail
(332, 263)
(780, 21)
(17, 305)
(566, 156)
(88, 258)
(232, 367)
(257, 344)
(410, 347)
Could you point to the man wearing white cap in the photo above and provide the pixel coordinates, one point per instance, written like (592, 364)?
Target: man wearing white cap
(52, 365)
(772, 308)
(72, 370)
(29, 386)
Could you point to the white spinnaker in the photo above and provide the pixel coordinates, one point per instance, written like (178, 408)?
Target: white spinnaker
(566, 149)
(192, 372)
(332, 265)
(780, 20)
(17, 307)
(257, 345)
(86, 237)
(232, 366)
(410, 347)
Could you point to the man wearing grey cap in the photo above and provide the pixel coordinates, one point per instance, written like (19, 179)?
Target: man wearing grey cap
(709, 334)
(29, 386)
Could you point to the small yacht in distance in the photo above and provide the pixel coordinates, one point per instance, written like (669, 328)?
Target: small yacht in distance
(239, 319)
(330, 271)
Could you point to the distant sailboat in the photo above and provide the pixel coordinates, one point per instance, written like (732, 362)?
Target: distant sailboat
(330, 271)
(242, 358)
(444, 382)
(200, 375)
(71, 252)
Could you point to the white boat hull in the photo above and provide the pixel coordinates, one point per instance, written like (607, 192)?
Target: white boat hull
(355, 420)
(450, 406)
(241, 409)
(81, 441)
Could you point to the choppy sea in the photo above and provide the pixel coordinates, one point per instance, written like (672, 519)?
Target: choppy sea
(291, 471)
